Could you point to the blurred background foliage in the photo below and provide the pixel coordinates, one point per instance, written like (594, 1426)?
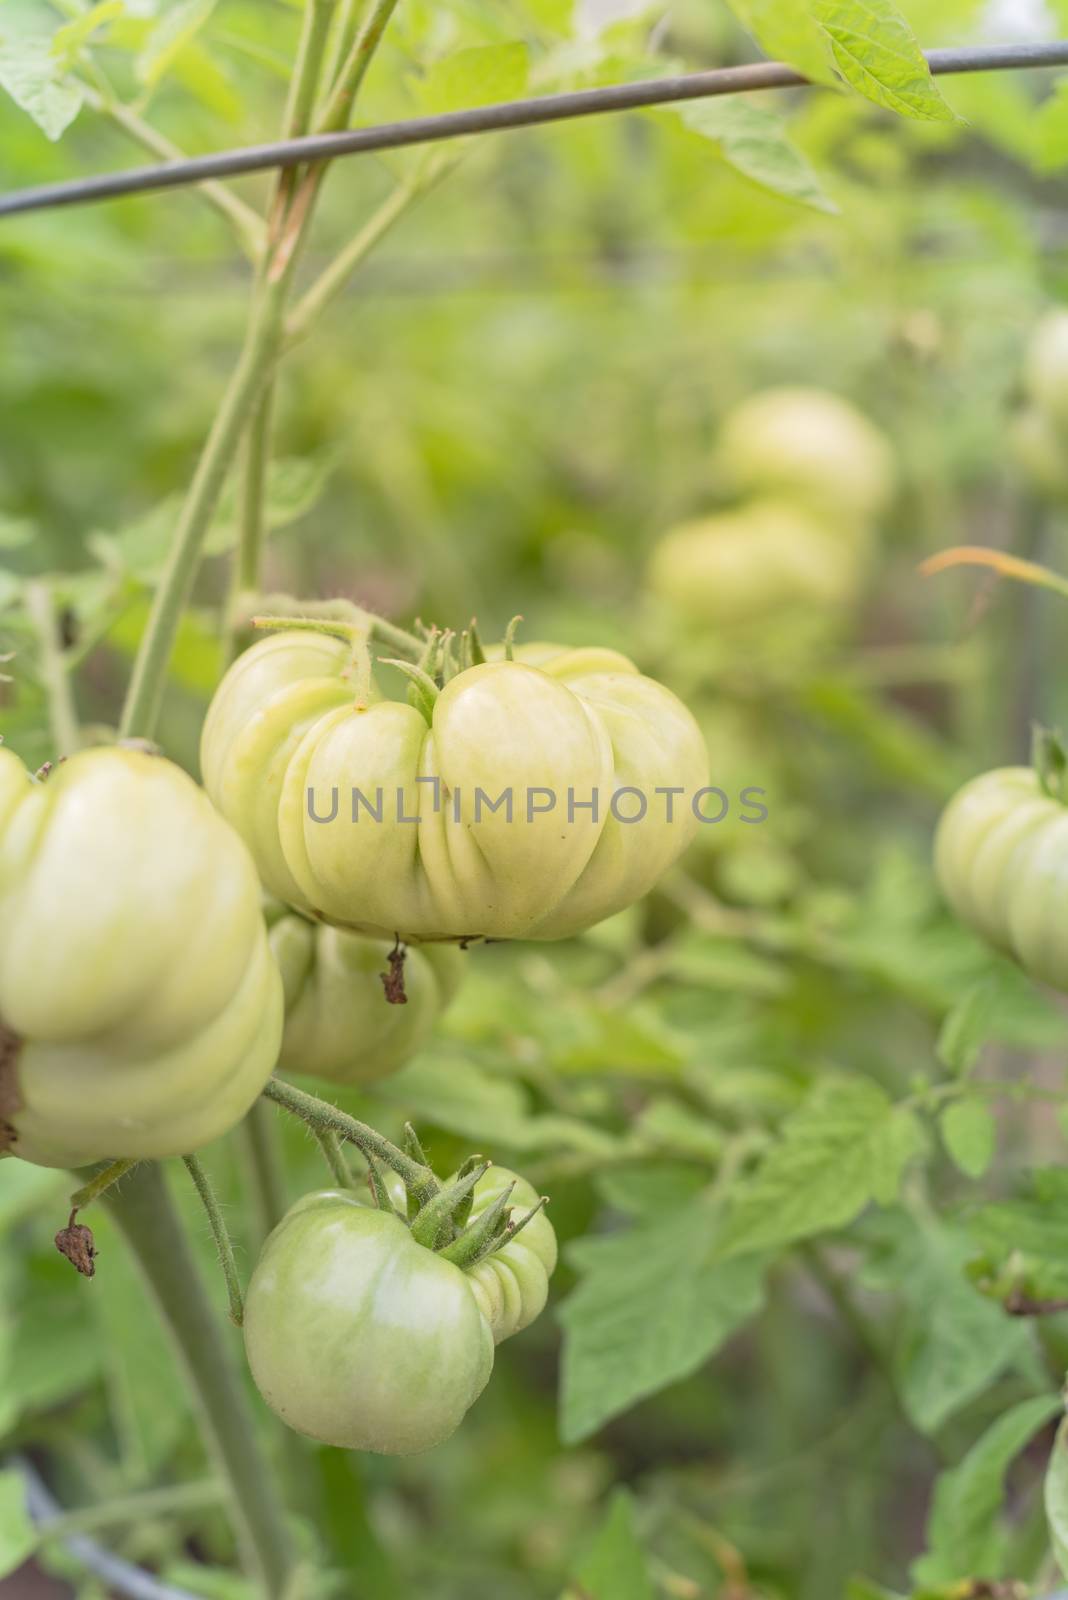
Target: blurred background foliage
(519, 393)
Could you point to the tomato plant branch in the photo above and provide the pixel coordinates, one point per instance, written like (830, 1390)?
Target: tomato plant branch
(303, 88)
(147, 1217)
(99, 1184)
(129, 1510)
(55, 670)
(334, 1156)
(247, 226)
(333, 278)
(323, 1117)
(221, 1234)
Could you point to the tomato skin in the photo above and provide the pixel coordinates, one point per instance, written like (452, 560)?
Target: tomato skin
(512, 1285)
(1001, 858)
(134, 965)
(284, 727)
(360, 1337)
(339, 1025)
(1046, 370)
(757, 563)
(810, 446)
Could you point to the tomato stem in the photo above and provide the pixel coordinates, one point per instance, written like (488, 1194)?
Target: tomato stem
(55, 670)
(330, 1145)
(145, 1212)
(221, 1234)
(322, 1116)
(99, 1184)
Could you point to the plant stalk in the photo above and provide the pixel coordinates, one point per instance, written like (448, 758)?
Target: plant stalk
(62, 715)
(146, 1214)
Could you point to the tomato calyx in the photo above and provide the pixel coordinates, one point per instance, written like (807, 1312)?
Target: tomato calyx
(434, 1225)
(1050, 761)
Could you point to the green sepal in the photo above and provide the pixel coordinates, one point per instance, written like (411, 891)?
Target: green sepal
(433, 1224)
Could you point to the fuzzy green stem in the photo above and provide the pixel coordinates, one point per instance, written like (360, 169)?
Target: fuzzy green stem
(333, 278)
(243, 391)
(322, 1116)
(55, 673)
(264, 1170)
(145, 1212)
(99, 1184)
(339, 105)
(246, 575)
(221, 1234)
(330, 1145)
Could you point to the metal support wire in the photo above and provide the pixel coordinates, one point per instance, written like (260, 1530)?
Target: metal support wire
(757, 75)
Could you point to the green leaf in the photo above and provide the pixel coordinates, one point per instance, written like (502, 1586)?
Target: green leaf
(950, 1341)
(1024, 1241)
(475, 77)
(1002, 1005)
(969, 1133)
(68, 40)
(615, 1566)
(36, 82)
(846, 1146)
(18, 1539)
(876, 52)
(963, 1535)
(1056, 1498)
(754, 141)
(786, 30)
(652, 1306)
(178, 26)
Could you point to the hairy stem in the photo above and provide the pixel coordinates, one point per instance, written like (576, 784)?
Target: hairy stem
(221, 1234)
(323, 1117)
(99, 1184)
(55, 674)
(147, 1217)
(258, 354)
(330, 1145)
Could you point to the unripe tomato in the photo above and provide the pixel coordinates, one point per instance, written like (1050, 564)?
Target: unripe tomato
(555, 730)
(512, 1285)
(139, 1002)
(1001, 857)
(755, 563)
(1046, 370)
(360, 1337)
(338, 1022)
(1040, 451)
(808, 445)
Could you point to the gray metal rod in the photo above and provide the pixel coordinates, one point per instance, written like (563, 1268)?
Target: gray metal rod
(542, 109)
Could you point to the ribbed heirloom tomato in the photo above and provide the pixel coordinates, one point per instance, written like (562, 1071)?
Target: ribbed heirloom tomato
(1001, 856)
(361, 1337)
(495, 814)
(338, 1025)
(140, 1007)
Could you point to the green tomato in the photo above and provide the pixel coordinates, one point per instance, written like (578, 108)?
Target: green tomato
(428, 857)
(1040, 452)
(339, 1024)
(1001, 857)
(360, 1337)
(809, 445)
(1046, 368)
(140, 1007)
(512, 1285)
(762, 561)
